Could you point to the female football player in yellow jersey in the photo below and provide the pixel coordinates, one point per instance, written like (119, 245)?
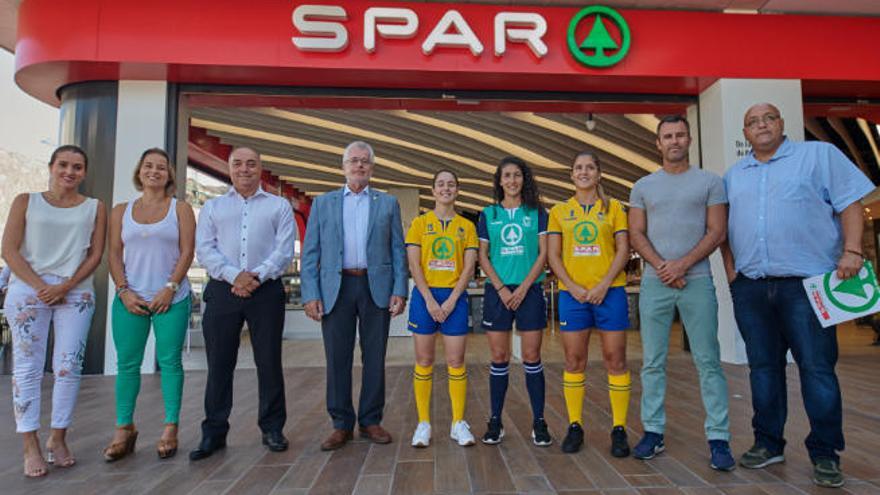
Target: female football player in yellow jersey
(588, 247)
(441, 247)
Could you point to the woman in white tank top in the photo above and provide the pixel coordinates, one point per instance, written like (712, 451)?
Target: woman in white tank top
(53, 242)
(152, 240)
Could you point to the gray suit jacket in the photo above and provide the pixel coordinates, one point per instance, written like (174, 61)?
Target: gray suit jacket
(322, 250)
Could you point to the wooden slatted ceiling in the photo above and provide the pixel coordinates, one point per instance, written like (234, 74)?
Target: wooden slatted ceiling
(303, 146)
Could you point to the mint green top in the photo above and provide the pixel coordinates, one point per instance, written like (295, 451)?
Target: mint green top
(512, 235)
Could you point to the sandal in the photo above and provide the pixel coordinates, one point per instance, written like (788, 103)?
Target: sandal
(167, 447)
(119, 449)
(62, 461)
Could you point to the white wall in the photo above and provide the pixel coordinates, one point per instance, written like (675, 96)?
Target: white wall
(721, 110)
(140, 124)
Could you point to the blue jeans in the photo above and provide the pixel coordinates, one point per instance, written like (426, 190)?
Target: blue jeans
(774, 315)
(698, 307)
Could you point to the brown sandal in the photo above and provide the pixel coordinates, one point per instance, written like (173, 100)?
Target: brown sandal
(166, 448)
(118, 450)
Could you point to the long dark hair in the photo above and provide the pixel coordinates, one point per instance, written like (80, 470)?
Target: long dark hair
(530, 195)
(600, 191)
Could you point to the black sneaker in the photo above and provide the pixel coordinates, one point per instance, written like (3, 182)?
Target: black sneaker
(494, 432)
(827, 473)
(759, 457)
(619, 444)
(540, 435)
(573, 439)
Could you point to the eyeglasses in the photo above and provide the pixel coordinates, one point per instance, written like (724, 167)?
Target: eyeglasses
(767, 119)
(355, 161)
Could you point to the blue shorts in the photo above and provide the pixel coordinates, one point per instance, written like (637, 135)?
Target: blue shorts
(531, 314)
(420, 320)
(612, 314)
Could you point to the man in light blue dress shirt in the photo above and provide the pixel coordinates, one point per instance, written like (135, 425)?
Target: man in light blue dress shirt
(794, 213)
(354, 280)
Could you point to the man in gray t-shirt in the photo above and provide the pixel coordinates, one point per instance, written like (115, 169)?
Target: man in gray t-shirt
(677, 217)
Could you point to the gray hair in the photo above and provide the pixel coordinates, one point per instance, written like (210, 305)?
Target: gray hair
(361, 145)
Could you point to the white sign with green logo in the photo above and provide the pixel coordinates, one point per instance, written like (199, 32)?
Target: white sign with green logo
(835, 300)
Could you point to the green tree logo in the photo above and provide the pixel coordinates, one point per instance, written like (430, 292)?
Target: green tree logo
(443, 248)
(855, 294)
(599, 48)
(585, 232)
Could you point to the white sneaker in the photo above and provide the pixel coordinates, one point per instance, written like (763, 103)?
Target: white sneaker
(422, 435)
(461, 433)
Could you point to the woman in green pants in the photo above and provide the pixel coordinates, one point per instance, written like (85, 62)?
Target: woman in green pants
(151, 247)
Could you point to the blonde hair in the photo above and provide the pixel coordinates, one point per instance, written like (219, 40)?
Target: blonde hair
(171, 186)
(600, 190)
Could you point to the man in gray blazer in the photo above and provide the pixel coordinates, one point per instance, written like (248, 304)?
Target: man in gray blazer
(354, 276)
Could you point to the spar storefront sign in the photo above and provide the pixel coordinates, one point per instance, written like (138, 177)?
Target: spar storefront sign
(418, 45)
(323, 28)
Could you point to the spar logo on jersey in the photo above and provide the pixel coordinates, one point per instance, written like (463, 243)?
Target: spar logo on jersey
(511, 236)
(585, 233)
(442, 250)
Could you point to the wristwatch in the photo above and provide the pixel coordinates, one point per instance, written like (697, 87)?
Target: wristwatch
(173, 286)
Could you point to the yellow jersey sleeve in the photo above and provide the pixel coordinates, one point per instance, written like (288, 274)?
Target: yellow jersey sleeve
(415, 232)
(553, 225)
(470, 239)
(619, 221)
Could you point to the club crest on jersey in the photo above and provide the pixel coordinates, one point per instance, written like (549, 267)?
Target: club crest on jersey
(527, 221)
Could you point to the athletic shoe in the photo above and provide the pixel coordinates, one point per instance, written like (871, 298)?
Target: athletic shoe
(494, 432)
(540, 435)
(461, 433)
(649, 446)
(422, 435)
(722, 459)
(758, 457)
(827, 473)
(573, 439)
(619, 443)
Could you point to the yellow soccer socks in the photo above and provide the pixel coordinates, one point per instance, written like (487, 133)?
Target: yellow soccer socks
(619, 387)
(457, 391)
(573, 389)
(423, 377)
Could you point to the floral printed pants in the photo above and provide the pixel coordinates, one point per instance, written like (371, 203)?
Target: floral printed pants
(29, 320)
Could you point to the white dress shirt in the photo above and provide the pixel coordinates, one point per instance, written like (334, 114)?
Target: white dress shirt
(254, 234)
(355, 222)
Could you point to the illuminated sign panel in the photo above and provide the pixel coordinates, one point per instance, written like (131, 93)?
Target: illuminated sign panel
(322, 28)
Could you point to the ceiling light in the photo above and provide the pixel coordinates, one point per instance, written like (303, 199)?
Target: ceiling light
(591, 124)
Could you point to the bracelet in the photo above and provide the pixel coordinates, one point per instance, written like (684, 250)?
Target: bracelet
(122, 288)
(853, 251)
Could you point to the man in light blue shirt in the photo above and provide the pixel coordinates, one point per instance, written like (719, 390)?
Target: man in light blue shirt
(354, 280)
(794, 213)
(355, 218)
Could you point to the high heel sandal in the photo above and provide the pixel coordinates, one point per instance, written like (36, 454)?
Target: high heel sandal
(166, 448)
(58, 461)
(118, 450)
